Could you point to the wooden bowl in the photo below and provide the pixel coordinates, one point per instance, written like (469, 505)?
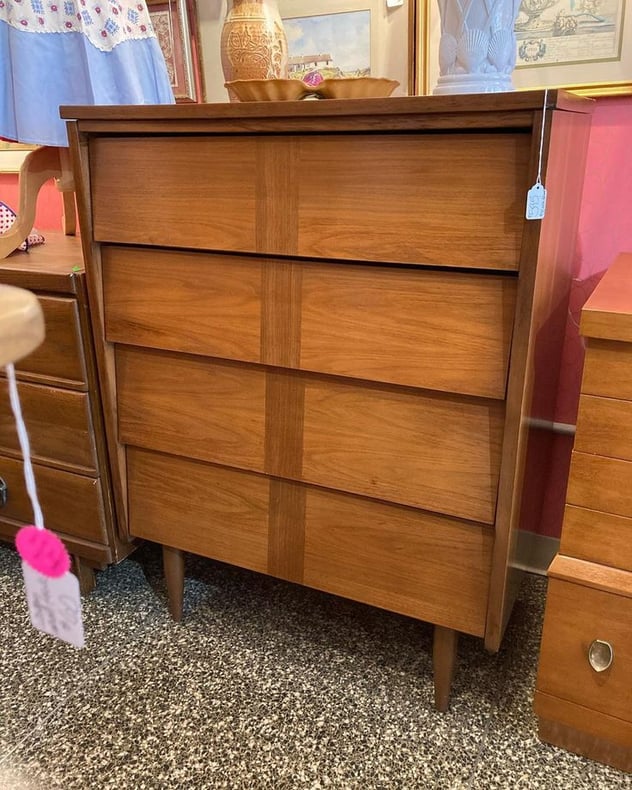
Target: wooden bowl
(356, 88)
(269, 90)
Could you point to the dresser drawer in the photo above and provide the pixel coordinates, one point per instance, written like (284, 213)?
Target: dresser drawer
(402, 559)
(608, 369)
(71, 504)
(600, 483)
(58, 423)
(597, 537)
(216, 512)
(575, 617)
(319, 196)
(411, 447)
(604, 427)
(430, 329)
(60, 356)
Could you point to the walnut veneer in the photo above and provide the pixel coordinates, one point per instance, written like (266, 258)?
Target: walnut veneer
(583, 709)
(320, 327)
(61, 405)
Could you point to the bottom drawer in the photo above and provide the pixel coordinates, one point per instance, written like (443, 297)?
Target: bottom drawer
(71, 503)
(575, 617)
(402, 559)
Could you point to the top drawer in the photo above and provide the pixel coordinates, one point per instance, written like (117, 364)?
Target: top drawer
(449, 331)
(60, 356)
(439, 199)
(608, 369)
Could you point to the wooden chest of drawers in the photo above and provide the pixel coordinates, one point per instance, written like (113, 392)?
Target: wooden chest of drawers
(584, 686)
(61, 405)
(320, 327)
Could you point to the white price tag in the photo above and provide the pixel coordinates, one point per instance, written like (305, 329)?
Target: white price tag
(536, 202)
(54, 605)
(394, 3)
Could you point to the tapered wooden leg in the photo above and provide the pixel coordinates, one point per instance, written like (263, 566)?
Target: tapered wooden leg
(173, 564)
(85, 574)
(444, 660)
(66, 185)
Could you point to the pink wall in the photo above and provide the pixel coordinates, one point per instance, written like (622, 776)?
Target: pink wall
(49, 203)
(605, 229)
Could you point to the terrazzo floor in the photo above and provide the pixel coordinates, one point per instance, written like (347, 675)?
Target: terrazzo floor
(265, 685)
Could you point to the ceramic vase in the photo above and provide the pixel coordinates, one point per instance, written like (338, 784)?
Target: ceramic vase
(253, 42)
(477, 49)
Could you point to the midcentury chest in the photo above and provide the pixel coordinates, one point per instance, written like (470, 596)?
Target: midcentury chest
(584, 686)
(61, 405)
(322, 329)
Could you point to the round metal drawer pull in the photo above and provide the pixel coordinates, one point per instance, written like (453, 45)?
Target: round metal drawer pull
(600, 655)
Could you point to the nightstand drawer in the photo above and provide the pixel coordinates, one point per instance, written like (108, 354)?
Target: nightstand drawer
(604, 427)
(71, 504)
(575, 617)
(597, 537)
(60, 356)
(58, 423)
(608, 369)
(600, 483)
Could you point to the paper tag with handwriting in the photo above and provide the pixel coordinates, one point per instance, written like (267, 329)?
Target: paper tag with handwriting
(54, 605)
(536, 202)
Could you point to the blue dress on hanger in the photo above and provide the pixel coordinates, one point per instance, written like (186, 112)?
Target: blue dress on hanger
(55, 52)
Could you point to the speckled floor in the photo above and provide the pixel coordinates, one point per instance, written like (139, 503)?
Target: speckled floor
(264, 685)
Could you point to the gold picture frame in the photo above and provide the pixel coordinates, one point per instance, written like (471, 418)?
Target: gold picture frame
(610, 75)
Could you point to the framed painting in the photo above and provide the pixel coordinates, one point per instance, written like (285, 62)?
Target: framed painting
(582, 45)
(175, 25)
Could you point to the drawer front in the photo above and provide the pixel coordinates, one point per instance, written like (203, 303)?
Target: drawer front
(599, 483)
(597, 537)
(430, 329)
(608, 369)
(146, 291)
(265, 194)
(575, 616)
(60, 356)
(604, 427)
(215, 512)
(58, 423)
(407, 561)
(191, 406)
(424, 566)
(71, 504)
(410, 447)
(433, 452)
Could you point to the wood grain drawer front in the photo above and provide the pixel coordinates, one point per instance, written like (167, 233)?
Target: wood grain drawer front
(424, 566)
(191, 406)
(219, 513)
(427, 451)
(449, 332)
(71, 503)
(447, 199)
(441, 199)
(213, 207)
(58, 423)
(600, 483)
(608, 369)
(575, 616)
(604, 427)
(597, 537)
(145, 291)
(60, 356)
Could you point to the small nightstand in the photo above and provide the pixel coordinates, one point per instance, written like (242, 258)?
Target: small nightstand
(62, 409)
(584, 686)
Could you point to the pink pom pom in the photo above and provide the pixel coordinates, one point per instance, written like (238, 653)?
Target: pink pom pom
(43, 551)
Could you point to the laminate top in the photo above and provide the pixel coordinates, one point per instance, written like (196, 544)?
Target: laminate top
(608, 312)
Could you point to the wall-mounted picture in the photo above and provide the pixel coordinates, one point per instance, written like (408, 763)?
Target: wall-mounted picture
(329, 45)
(175, 25)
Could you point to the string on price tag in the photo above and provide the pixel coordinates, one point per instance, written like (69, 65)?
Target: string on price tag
(52, 592)
(536, 196)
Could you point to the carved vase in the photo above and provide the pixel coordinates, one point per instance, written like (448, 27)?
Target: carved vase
(477, 50)
(253, 42)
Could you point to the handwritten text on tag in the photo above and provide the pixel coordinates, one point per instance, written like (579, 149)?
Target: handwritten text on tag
(54, 605)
